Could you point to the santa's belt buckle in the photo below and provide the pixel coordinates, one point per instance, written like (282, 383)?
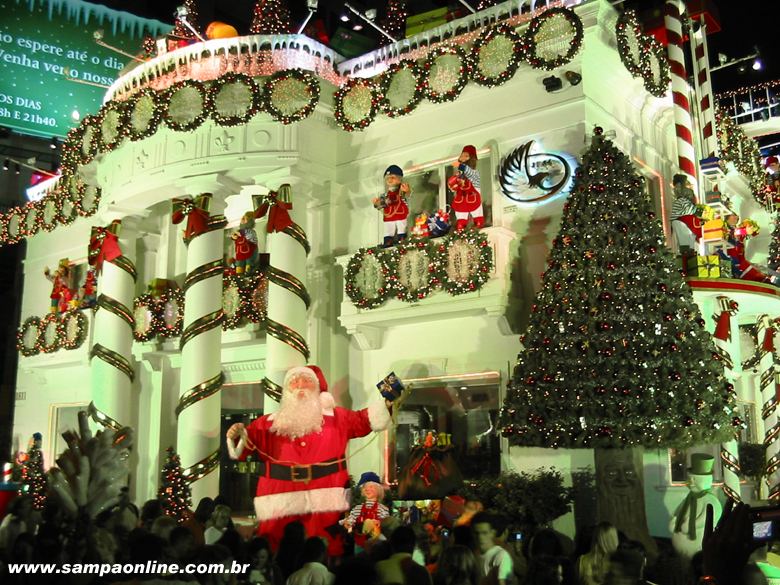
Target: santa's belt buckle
(301, 473)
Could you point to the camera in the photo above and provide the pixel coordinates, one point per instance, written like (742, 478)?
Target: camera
(766, 523)
(516, 537)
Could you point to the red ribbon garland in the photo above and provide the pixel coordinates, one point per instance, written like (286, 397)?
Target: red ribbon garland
(427, 463)
(197, 218)
(103, 246)
(723, 328)
(278, 213)
(769, 340)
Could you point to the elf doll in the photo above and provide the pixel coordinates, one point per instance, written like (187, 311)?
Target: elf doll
(245, 242)
(393, 205)
(59, 281)
(467, 199)
(89, 290)
(735, 252)
(371, 509)
(772, 165)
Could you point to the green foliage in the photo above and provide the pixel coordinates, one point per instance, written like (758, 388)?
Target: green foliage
(752, 460)
(616, 353)
(35, 482)
(774, 247)
(529, 500)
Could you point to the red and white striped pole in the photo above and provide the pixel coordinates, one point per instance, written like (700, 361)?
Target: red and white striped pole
(686, 153)
(701, 63)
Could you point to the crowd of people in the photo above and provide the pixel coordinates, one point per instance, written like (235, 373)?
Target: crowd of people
(480, 552)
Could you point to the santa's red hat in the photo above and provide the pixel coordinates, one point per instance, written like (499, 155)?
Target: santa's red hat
(310, 371)
(471, 150)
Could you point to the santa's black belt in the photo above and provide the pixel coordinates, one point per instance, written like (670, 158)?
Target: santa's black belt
(303, 473)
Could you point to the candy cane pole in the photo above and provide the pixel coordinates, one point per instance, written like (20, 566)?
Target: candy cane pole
(701, 65)
(198, 429)
(288, 302)
(725, 337)
(111, 355)
(686, 153)
(768, 386)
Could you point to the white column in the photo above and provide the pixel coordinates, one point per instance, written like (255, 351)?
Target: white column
(287, 300)
(767, 384)
(201, 378)
(730, 356)
(112, 369)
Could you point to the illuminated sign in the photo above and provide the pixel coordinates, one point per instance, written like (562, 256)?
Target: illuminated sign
(531, 177)
(51, 70)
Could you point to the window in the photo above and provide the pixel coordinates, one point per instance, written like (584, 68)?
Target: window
(465, 408)
(429, 187)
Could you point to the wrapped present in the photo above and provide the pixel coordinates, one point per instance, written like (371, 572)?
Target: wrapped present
(158, 286)
(707, 213)
(715, 230)
(439, 223)
(390, 387)
(710, 266)
(425, 21)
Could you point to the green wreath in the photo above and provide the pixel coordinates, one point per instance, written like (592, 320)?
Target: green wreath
(79, 191)
(354, 265)
(649, 48)
(117, 110)
(484, 40)
(18, 213)
(81, 329)
(254, 105)
(231, 321)
(26, 351)
(338, 104)
(149, 303)
(197, 119)
(164, 329)
(152, 123)
(531, 41)
(659, 87)
(463, 75)
(30, 220)
(311, 85)
(67, 210)
(482, 267)
(86, 144)
(51, 318)
(402, 292)
(53, 200)
(386, 80)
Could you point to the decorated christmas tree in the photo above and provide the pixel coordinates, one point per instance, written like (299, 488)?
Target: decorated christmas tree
(270, 17)
(394, 21)
(33, 477)
(174, 493)
(616, 355)
(180, 29)
(774, 247)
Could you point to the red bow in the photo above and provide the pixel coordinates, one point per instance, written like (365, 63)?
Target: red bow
(769, 340)
(195, 211)
(278, 213)
(723, 328)
(427, 463)
(104, 245)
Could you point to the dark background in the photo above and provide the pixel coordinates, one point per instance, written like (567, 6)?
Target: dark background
(745, 24)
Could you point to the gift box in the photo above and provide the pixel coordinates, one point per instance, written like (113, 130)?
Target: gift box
(425, 21)
(439, 224)
(710, 266)
(157, 286)
(715, 230)
(390, 387)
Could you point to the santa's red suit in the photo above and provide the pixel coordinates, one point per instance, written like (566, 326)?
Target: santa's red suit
(305, 478)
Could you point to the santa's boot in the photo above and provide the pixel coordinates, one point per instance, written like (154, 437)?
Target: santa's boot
(460, 225)
(388, 242)
(479, 222)
(401, 238)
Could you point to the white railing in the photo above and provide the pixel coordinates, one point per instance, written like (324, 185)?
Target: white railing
(288, 51)
(752, 104)
(378, 60)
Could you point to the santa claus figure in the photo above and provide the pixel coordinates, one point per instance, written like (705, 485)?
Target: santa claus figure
(302, 448)
(467, 199)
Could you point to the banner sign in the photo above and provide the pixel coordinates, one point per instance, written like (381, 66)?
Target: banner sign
(49, 59)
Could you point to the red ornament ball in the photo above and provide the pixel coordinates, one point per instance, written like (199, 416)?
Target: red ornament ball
(598, 130)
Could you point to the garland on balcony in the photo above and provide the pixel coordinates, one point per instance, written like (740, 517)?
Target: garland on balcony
(290, 96)
(743, 152)
(459, 263)
(30, 328)
(244, 299)
(651, 55)
(161, 316)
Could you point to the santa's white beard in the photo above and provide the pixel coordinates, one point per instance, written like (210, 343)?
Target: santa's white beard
(298, 416)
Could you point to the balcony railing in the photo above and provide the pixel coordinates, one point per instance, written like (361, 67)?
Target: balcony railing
(752, 104)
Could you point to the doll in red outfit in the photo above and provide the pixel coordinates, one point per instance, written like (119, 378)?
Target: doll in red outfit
(245, 242)
(393, 205)
(302, 450)
(465, 185)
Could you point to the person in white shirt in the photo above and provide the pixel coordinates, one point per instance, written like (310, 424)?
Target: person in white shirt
(495, 562)
(219, 522)
(313, 570)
